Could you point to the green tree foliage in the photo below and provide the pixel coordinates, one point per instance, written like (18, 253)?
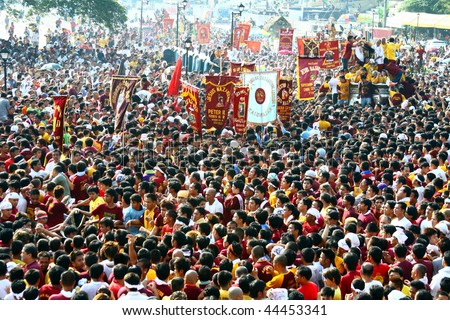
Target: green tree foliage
(108, 13)
(427, 6)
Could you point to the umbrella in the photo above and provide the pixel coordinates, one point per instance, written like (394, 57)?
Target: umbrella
(51, 66)
(284, 52)
(345, 18)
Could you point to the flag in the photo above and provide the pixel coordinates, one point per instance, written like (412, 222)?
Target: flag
(284, 98)
(167, 24)
(190, 95)
(240, 108)
(286, 36)
(254, 46)
(203, 32)
(176, 79)
(307, 72)
(237, 34)
(245, 31)
(308, 47)
(218, 99)
(329, 51)
(58, 120)
(120, 96)
(262, 101)
(236, 68)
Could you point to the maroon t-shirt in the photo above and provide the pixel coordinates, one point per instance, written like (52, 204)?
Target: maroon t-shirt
(192, 291)
(56, 212)
(79, 190)
(58, 296)
(48, 290)
(103, 210)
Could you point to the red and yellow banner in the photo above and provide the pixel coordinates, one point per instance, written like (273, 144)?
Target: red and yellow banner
(308, 47)
(203, 33)
(218, 99)
(246, 27)
(254, 46)
(284, 99)
(307, 72)
(58, 119)
(120, 96)
(240, 108)
(329, 50)
(286, 38)
(167, 24)
(190, 95)
(238, 67)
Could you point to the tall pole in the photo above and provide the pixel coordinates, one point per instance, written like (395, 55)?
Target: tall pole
(4, 65)
(232, 26)
(187, 61)
(417, 26)
(178, 8)
(142, 17)
(373, 21)
(385, 3)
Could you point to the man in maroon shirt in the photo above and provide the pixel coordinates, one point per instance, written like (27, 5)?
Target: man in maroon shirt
(264, 268)
(79, 180)
(233, 201)
(6, 212)
(350, 264)
(347, 54)
(30, 258)
(68, 281)
(54, 288)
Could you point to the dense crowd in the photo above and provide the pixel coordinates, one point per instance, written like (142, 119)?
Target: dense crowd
(348, 199)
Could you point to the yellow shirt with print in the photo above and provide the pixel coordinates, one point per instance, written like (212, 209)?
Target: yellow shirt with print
(94, 204)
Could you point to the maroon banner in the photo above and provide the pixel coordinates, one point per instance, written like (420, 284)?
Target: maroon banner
(218, 99)
(167, 24)
(238, 67)
(307, 72)
(120, 96)
(308, 47)
(203, 32)
(329, 50)
(286, 37)
(246, 27)
(240, 108)
(284, 98)
(58, 120)
(190, 95)
(238, 33)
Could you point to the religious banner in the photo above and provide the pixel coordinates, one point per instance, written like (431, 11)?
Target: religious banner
(262, 101)
(308, 47)
(254, 46)
(286, 37)
(167, 24)
(284, 98)
(120, 96)
(237, 34)
(58, 120)
(240, 107)
(203, 32)
(218, 99)
(329, 50)
(245, 31)
(190, 95)
(307, 72)
(238, 67)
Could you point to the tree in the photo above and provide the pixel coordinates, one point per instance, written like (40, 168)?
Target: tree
(108, 13)
(427, 6)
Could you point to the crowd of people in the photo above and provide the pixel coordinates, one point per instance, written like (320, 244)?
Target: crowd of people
(348, 199)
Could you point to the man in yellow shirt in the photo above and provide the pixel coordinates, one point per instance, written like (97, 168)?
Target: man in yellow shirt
(284, 278)
(391, 49)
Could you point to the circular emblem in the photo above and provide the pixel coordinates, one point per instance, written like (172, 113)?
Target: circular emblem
(260, 95)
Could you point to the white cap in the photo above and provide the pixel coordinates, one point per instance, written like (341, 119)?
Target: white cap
(353, 239)
(400, 236)
(311, 173)
(314, 212)
(383, 135)
(13, 195)
(6, 205)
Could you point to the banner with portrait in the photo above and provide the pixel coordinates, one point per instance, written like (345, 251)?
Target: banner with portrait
(246, 27)
(286, 37)
(240, 108)
(238, 33)
(167, 24)
(58, 119)
(307, 72)
(218, 100)
(262, 99)
(203, 33)
(236, 68)
(190, 95)
(120, 96)
(329, 50)
(284, 98)
(308, 47)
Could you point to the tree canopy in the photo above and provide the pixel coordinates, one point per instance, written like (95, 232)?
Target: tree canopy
(108, 13)
(427, 6)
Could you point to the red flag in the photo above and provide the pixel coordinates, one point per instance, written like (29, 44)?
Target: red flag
(203, 31)
(307, 72)
(236, 68)
(58, 119)
(254, 46)
(120, 96)
(237, 37)
(245, 31)
(329, 50)
(176, 79)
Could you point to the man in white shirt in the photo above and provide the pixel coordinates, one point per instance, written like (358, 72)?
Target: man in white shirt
(379, 54)
(401, 220)
(96, 273)
(212, 205)
(434, 168)
(435, 284)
